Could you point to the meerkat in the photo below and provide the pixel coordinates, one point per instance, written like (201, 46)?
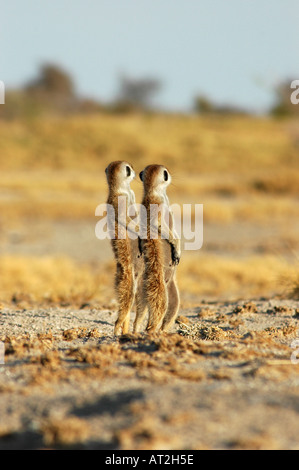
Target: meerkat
(126, 250)
(161, 254)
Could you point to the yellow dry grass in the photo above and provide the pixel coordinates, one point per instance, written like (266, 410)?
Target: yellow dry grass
(225, 277)
(231, 144)
(242, 169)
(28, 279)
(53, 279)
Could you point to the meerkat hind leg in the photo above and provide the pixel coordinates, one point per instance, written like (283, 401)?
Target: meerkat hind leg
(157, 306)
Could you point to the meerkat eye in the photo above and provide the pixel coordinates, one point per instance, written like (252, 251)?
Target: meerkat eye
(128, 170)
(165, 175)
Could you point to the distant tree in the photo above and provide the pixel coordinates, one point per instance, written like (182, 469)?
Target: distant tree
(52, 80)
(204, 105)
(52, 91)
(283, 106)
(137, 93)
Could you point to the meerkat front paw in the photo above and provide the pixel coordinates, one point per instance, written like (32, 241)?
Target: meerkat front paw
(175, 255)
(140, 247)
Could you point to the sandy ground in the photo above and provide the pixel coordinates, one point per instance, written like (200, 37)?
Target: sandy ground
(224, 378)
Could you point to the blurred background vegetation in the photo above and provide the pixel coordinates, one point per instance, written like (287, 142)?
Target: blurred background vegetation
(55, 145)
(53, 91)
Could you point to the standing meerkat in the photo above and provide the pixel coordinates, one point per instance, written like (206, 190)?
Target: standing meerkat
(129, 263)
(161, 253)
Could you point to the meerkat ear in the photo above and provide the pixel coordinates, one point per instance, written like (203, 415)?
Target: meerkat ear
(106, 170)
(141, 175)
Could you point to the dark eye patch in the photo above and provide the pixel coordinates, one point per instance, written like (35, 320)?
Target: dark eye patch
(141, 175)
(165, 175)
(128, 169)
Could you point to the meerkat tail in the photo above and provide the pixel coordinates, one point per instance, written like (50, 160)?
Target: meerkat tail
(141, 307)
(173, 305)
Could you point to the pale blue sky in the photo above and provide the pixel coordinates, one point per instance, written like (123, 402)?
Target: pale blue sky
(233, 51)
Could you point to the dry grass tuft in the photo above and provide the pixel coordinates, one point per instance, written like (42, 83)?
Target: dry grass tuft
(27, 279)
(197, 331)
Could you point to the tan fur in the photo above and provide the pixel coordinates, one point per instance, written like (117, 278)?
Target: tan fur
(129, 263)
(160, 291)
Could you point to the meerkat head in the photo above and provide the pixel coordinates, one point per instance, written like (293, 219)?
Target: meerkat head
(119, 174)
(155, 177)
